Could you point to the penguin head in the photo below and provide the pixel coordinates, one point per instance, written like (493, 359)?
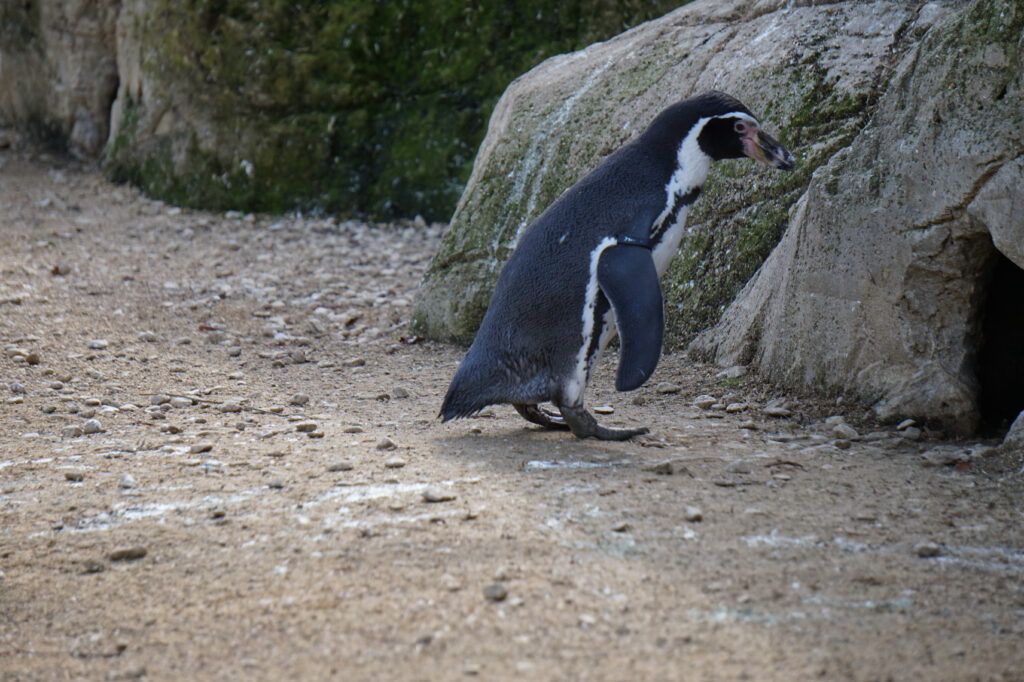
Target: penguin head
(735, 134)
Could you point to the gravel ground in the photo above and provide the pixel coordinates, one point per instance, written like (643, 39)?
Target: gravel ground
(220, 459)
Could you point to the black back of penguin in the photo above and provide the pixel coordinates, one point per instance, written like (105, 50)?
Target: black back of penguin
(529, 340)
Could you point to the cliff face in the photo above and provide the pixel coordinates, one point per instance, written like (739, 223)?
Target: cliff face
(351, 107)
(874, 269)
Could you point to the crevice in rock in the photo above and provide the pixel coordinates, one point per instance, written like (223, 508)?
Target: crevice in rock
(1000, 360)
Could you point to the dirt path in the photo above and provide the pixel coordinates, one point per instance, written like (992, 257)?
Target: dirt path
(728, 545)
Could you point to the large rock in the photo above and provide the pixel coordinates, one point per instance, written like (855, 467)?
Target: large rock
(58, 70)
(809, 72)
(907, 124)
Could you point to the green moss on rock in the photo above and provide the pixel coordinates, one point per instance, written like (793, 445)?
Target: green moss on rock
(365, 107)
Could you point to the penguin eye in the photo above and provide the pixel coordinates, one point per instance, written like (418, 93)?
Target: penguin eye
(740, 127)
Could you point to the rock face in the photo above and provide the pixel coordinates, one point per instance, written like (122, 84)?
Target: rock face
(354, 107)
(58, 70)
(907, 123)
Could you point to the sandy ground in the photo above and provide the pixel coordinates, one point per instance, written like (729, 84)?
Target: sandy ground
(270, 495)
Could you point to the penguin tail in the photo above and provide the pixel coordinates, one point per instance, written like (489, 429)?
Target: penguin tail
(472, 389)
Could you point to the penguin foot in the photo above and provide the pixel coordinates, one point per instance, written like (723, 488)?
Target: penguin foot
(532, 413)
(583, 425)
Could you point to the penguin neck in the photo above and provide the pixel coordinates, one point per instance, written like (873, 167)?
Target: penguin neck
(692, 164)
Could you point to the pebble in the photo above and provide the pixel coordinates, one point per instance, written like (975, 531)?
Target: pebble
(128, 553)
(353, 362)
(842, 444)
(16, 387)
(48, 409)
(299, 399)
(905, 424)
(668, 388)
(92, 426)
(705, 402)
(434, 494)
(911, 433)
(352, 429)
(71, 431)
(147, 336)
(604, 409)
(305, 427)
(74, 476)
(180, 402)
(230, 406)
(666, 468)
(159, 399)
(622, 527)
(738, 466)
(693, 514)
(204, 446)
(340, 465)
(733, 408)
(90, 566)
(127, 481)
(451, 583)
(927, 550)
(386, 444)
(275, 483)
(734, 372)
(845, 431)
(32, 358)
(315, 434)
(495, 592)
(943, 457)
(776, 411)
(394, 463)
(399, 392)
(98, 344)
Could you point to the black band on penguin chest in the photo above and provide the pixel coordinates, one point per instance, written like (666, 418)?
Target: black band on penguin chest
(679, 203)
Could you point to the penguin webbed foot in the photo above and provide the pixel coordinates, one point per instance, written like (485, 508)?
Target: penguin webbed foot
(583, 425)
(537, 415)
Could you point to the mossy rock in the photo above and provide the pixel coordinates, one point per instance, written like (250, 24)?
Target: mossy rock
(359, 108)
(809, 82)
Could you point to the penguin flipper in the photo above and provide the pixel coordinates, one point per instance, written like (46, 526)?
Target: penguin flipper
(629, 279)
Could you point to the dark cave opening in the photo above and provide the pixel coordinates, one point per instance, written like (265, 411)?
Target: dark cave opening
(1001, 355)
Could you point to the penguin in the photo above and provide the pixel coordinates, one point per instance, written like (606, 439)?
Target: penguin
(589, 268)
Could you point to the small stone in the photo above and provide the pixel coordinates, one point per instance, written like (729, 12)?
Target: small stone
(275, 483)
(604, 409)
(92, 402)
(299, 399)
(71, 431)
(666, 468)
(48, 409)
(778, 412)
(927, 550)
(353, 362)
(16, 388)
(450, 583)
(128, 553)
(147, 336)
(667, 388)
(394, 463)
(905, 424)
(704, 402)
(159, 399)
(911, 433)
(845, 431)
(315, 434)
(203, 446)
(733, 408)
(90, 566)
(386, 444)
(127, 481)
(32, 358)
(180, 402)
(622, 526)
(734, 372)
(92, 426)
(340, 465)
(693, 514)
(230, 406)
(495, 592)
(748, 425)
(352, 429)
(433, 494)
(74, 476)
(842, 444)
(399, 392)
(738, 466)
(234, 351)
(98, 344)
(305, 427)
(943, 457)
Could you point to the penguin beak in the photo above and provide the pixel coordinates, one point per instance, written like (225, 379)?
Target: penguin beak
(762, 147)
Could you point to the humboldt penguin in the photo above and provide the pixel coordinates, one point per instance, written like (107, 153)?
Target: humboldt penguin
(589, 267)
